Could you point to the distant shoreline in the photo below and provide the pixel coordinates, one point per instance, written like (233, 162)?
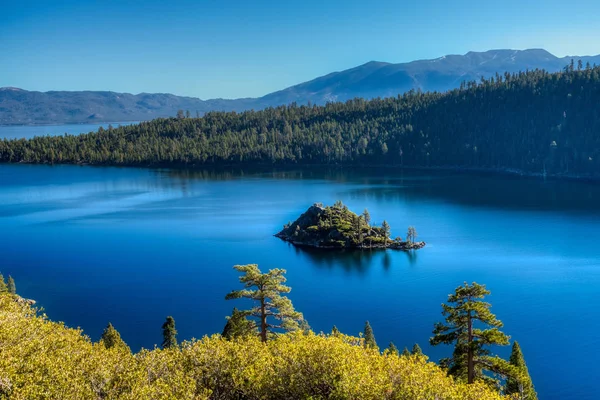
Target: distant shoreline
(263, 167)
(70, 123)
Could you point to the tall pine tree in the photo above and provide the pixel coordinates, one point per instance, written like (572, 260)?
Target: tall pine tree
(3, 288)
(266, 289)
(521, 384)
(369, 337)
(467, 318)
(10, 286)
(169, 334)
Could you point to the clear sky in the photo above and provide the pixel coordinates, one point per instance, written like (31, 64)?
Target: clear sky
(245, 48)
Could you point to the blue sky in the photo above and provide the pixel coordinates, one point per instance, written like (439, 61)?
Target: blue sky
(234, 48)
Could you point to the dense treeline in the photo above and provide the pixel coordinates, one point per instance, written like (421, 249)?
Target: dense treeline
(532, 121)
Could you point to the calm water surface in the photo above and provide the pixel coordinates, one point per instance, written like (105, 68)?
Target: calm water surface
(29, 131)
(131, 246)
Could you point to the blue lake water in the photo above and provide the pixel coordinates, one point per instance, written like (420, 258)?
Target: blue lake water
(29, 131)
(131, 246)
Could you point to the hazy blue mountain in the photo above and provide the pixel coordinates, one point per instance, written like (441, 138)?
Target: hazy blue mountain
(379, 79)
(373, 79)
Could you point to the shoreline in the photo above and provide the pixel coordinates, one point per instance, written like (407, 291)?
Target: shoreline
(265, 167)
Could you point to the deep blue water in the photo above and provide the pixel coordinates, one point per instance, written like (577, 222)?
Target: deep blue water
(131, 246)
(29, 131)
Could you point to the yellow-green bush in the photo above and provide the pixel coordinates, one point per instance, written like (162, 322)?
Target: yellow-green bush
(40, 359)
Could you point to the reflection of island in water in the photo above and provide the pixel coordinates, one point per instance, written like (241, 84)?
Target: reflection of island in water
(351, 260)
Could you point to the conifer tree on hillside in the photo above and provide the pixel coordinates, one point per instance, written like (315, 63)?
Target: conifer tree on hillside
(3, 288)
(471, 327)
(111, 338)
(392, 349)
(238, 325)
(266, 289)
(10, 286)
(335, 330)
(416, 350)
(169, 333)
(369, 337)
(405, 352)
(520, 385)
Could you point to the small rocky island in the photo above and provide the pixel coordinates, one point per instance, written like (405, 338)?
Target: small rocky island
(336, 227)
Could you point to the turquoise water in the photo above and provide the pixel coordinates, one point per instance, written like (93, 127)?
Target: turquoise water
(29, 131)
(131, 246)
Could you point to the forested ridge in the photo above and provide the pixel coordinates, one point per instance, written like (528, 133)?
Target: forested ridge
(535, 122)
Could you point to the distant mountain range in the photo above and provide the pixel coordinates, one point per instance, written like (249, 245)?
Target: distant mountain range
(373, 79)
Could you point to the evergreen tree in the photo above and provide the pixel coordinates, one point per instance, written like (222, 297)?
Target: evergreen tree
(366, 216)
(411, 234)
(111, 338)
(11, 287)
(169, 334)
(385, 227)
(416, 350)
(392, 349)
(335, 330)
(405, 352)
(267, 289)
(369, 337)
(238, 325)
(464, 312)
(521, 384)
(3, 288)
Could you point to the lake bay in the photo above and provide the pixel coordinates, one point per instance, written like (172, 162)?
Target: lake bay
(131, 246)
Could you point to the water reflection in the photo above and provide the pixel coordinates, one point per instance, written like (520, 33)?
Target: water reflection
(355, 261)
(465, 188)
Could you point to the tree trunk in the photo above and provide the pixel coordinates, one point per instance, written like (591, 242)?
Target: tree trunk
(470, 366)
(263, 321)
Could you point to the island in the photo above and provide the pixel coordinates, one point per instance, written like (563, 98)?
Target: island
(336, 227)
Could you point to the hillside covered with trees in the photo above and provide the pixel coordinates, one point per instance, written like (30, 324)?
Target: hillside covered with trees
(535, 122)
(265, 352)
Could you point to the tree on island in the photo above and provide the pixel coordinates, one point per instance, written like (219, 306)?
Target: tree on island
(411, 234)
(111, 338)
(387, 231)
(238, 325)
(169, 334)
(370, 337)
(267, 289)
(366, 216)
(520, 384)
(470, 357)
(10, 286)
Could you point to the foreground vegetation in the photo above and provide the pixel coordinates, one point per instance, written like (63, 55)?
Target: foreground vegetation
(535, 121)
(337, 227)
(41, 359)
